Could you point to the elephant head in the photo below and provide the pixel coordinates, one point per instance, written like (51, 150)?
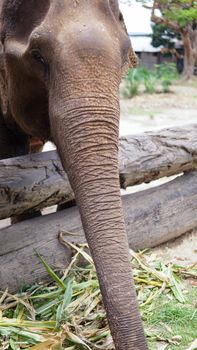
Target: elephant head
(64, 61)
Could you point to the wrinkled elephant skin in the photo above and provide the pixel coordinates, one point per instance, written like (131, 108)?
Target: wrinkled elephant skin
(61, 66)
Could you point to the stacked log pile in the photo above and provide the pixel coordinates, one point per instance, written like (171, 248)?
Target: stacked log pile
(152, 216)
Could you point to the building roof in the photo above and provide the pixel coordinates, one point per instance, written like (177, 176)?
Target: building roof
(142, 43)
(138, 23)
(137, 18)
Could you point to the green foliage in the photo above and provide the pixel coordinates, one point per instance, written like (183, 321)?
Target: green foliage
(149, 80)
(181, 17)
(163, 36)
(163, 75)
(132, 83)
(173, 322)
(166, 73)
(182, 12)
(69, 315)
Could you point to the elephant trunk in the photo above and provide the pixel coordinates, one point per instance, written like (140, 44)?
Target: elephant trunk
(85, 127)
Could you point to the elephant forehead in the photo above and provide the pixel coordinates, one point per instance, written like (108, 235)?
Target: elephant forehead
(83, 33)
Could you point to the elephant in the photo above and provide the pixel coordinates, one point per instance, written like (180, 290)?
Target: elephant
(61, 64)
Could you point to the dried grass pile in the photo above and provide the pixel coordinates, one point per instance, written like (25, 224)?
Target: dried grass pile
(68, 313)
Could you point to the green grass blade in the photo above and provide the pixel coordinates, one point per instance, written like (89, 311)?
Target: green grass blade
(176, 286)
(51, 295)
(76, 340)
(13, 345)
(33, 336)
(66, 301)
(51, 272)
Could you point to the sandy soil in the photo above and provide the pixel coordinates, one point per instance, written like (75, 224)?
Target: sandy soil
(182, 250)
(157, 111)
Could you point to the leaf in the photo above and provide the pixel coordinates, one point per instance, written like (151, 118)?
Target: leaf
(6, 322)
(51, 272)
(161, 276)
(13, 345)
(175, 286)
(51, 344)
(19, 300)
(73, 261)
(51, 295)
(92, 306)
(75, 339)
(66, 301)
(78, 305)
(45, 307)
(79, 250)
(3, 296)
(33, 336)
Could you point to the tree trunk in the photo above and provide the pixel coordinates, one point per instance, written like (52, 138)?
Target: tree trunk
(189, 59)
(193, 39)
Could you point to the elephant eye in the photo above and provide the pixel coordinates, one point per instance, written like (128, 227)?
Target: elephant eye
(38, 57)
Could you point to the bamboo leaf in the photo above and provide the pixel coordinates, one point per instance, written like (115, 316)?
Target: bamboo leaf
(66, 301)
(51, 344)
(76, 340)
(79, 250)
(13, 345)
(6, 322)
(176, 286)
(51, 272)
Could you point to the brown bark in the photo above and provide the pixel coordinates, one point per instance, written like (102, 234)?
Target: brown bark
(152, 217)
(194, 41)
(37, 181)
(188, 33)
(189, 56)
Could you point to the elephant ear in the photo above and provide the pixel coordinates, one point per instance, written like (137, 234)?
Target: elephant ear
(20, 17)
(28, 99)
(132, 57)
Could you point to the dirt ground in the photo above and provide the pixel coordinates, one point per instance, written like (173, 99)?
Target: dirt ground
(182, 250)
(151, 112)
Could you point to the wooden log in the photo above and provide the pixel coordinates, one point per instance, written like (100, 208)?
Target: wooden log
(36, 181)
(32, 182)
(152, 217)
(153, 155)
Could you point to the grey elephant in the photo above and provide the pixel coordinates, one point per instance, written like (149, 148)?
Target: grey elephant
(60, 70)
